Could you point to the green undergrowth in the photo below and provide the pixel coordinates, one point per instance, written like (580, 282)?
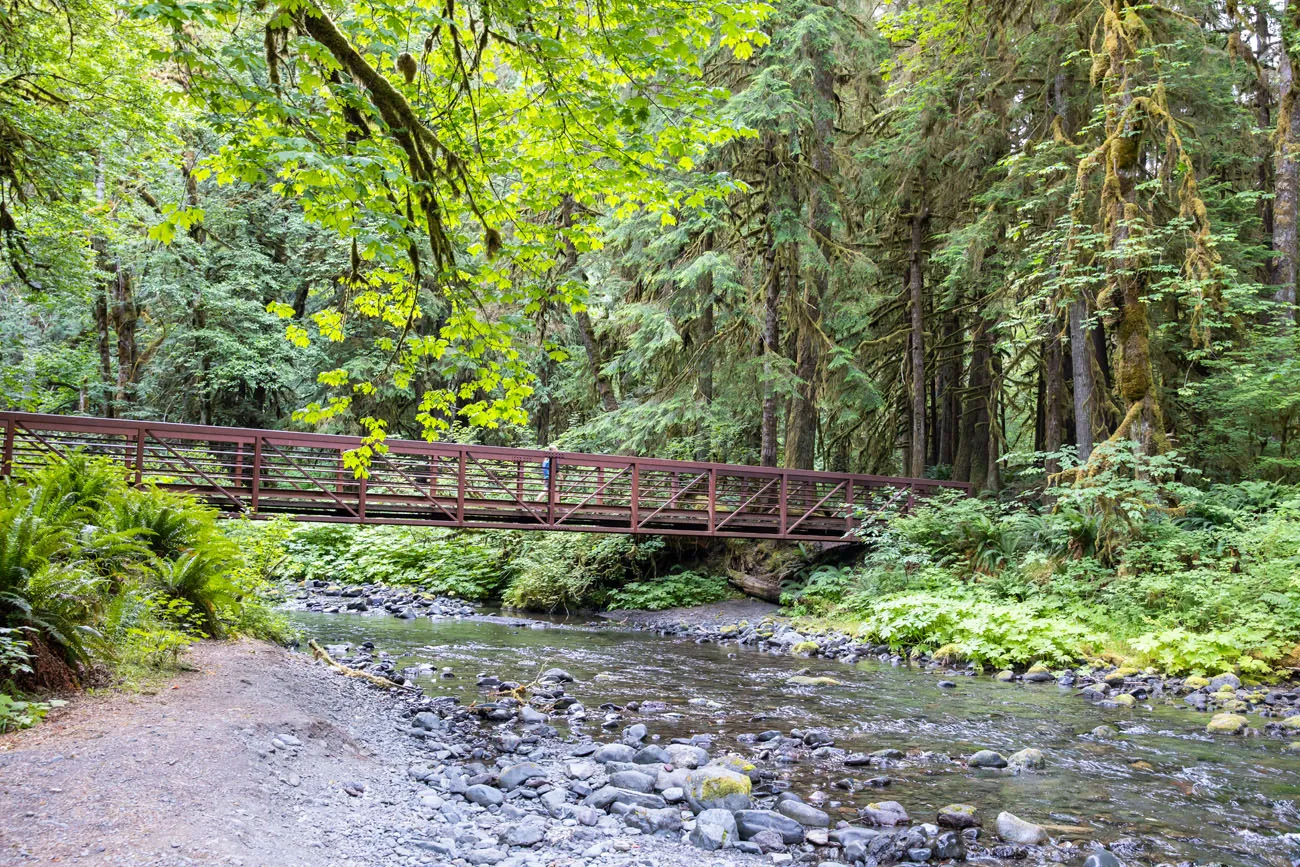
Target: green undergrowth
(102, 581)
(1129, 564)
(527, 571)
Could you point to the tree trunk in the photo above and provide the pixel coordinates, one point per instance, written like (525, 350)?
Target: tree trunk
(1053, 393)
(771, 339)
(103, 341)
(587, 334)
(1126, 281)
(802, 421)
(971, 463)
(948, 387)
(916, 301)
(1286, 201)
(707, 330)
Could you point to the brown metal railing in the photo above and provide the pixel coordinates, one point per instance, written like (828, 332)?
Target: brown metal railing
(266, 473)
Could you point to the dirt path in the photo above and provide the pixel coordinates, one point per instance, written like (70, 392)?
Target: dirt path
(262, 757)
(188, 774)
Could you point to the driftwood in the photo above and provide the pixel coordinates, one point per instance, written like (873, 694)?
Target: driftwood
(318, 652)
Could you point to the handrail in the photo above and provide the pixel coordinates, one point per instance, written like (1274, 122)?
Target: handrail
(271, 472)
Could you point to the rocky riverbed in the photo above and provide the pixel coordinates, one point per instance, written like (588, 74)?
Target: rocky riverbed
(501, 760)
(928, 745)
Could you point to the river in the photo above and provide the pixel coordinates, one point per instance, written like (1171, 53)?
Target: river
(1161, 791)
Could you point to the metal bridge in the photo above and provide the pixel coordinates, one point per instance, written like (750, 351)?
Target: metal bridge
(265, 473)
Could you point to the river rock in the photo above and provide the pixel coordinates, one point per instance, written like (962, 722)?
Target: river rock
(634, 734)
(1038, 674)
(652, 755)
(686, 755)
(987, 759)
(614, 753)
(661, 822)
(1227, 723)
(739, 764)
(1102, 858)
(714, 829)
(751, 822)
(948, 846)
(556, 675)
(805, 680)
(607, 796)
(958, 816)
(1228, 679)
(633, 780)
(886, 813)
(805, 814)
(484, 796)
(1028, 758)
(717, 788)
(1013, 829)
(768, 841)
(516, 775)
(525, 833)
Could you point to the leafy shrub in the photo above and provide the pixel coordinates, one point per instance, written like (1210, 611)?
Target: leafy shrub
(1183, 578)
(675, 590)
(983, 632)
(823, 589)
(569, 570)
(91, 568)
(18, 714)
(469, 566)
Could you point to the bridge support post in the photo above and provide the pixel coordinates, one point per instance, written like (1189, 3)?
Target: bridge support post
(139, 456)
(785, 489)
(7, 451)
(636, 496)
(460, 490)
(713, 498)
(550, 489)
(257, 471)
(848, 510)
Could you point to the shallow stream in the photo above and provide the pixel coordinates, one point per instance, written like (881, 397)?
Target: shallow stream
(1163, 788)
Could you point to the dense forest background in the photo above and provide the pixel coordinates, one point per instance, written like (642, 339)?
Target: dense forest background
(965, 239)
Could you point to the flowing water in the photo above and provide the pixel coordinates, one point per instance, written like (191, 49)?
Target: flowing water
(1193, 798)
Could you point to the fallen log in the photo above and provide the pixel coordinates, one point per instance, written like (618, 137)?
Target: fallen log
(318, 652)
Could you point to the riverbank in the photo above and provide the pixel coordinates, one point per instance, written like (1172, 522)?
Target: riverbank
(259, 757)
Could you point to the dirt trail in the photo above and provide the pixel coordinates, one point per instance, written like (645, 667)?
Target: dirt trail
(188, 774)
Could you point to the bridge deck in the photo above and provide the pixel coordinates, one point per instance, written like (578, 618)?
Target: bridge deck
(266, 473)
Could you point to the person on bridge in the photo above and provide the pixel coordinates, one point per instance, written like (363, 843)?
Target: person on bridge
(551, 460)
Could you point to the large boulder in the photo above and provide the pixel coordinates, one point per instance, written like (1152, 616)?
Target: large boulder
(714, 829)
(886, 813)
(607, 796)
(752, 822)
(1227, 724)
(1013, 829)
(614, 753)
(686, 755)
(958, 816)
(516, 775)
(660, 823)
(987, 759)
(805, 814)
(633, 780)
(1027, 759)
(715, 787)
